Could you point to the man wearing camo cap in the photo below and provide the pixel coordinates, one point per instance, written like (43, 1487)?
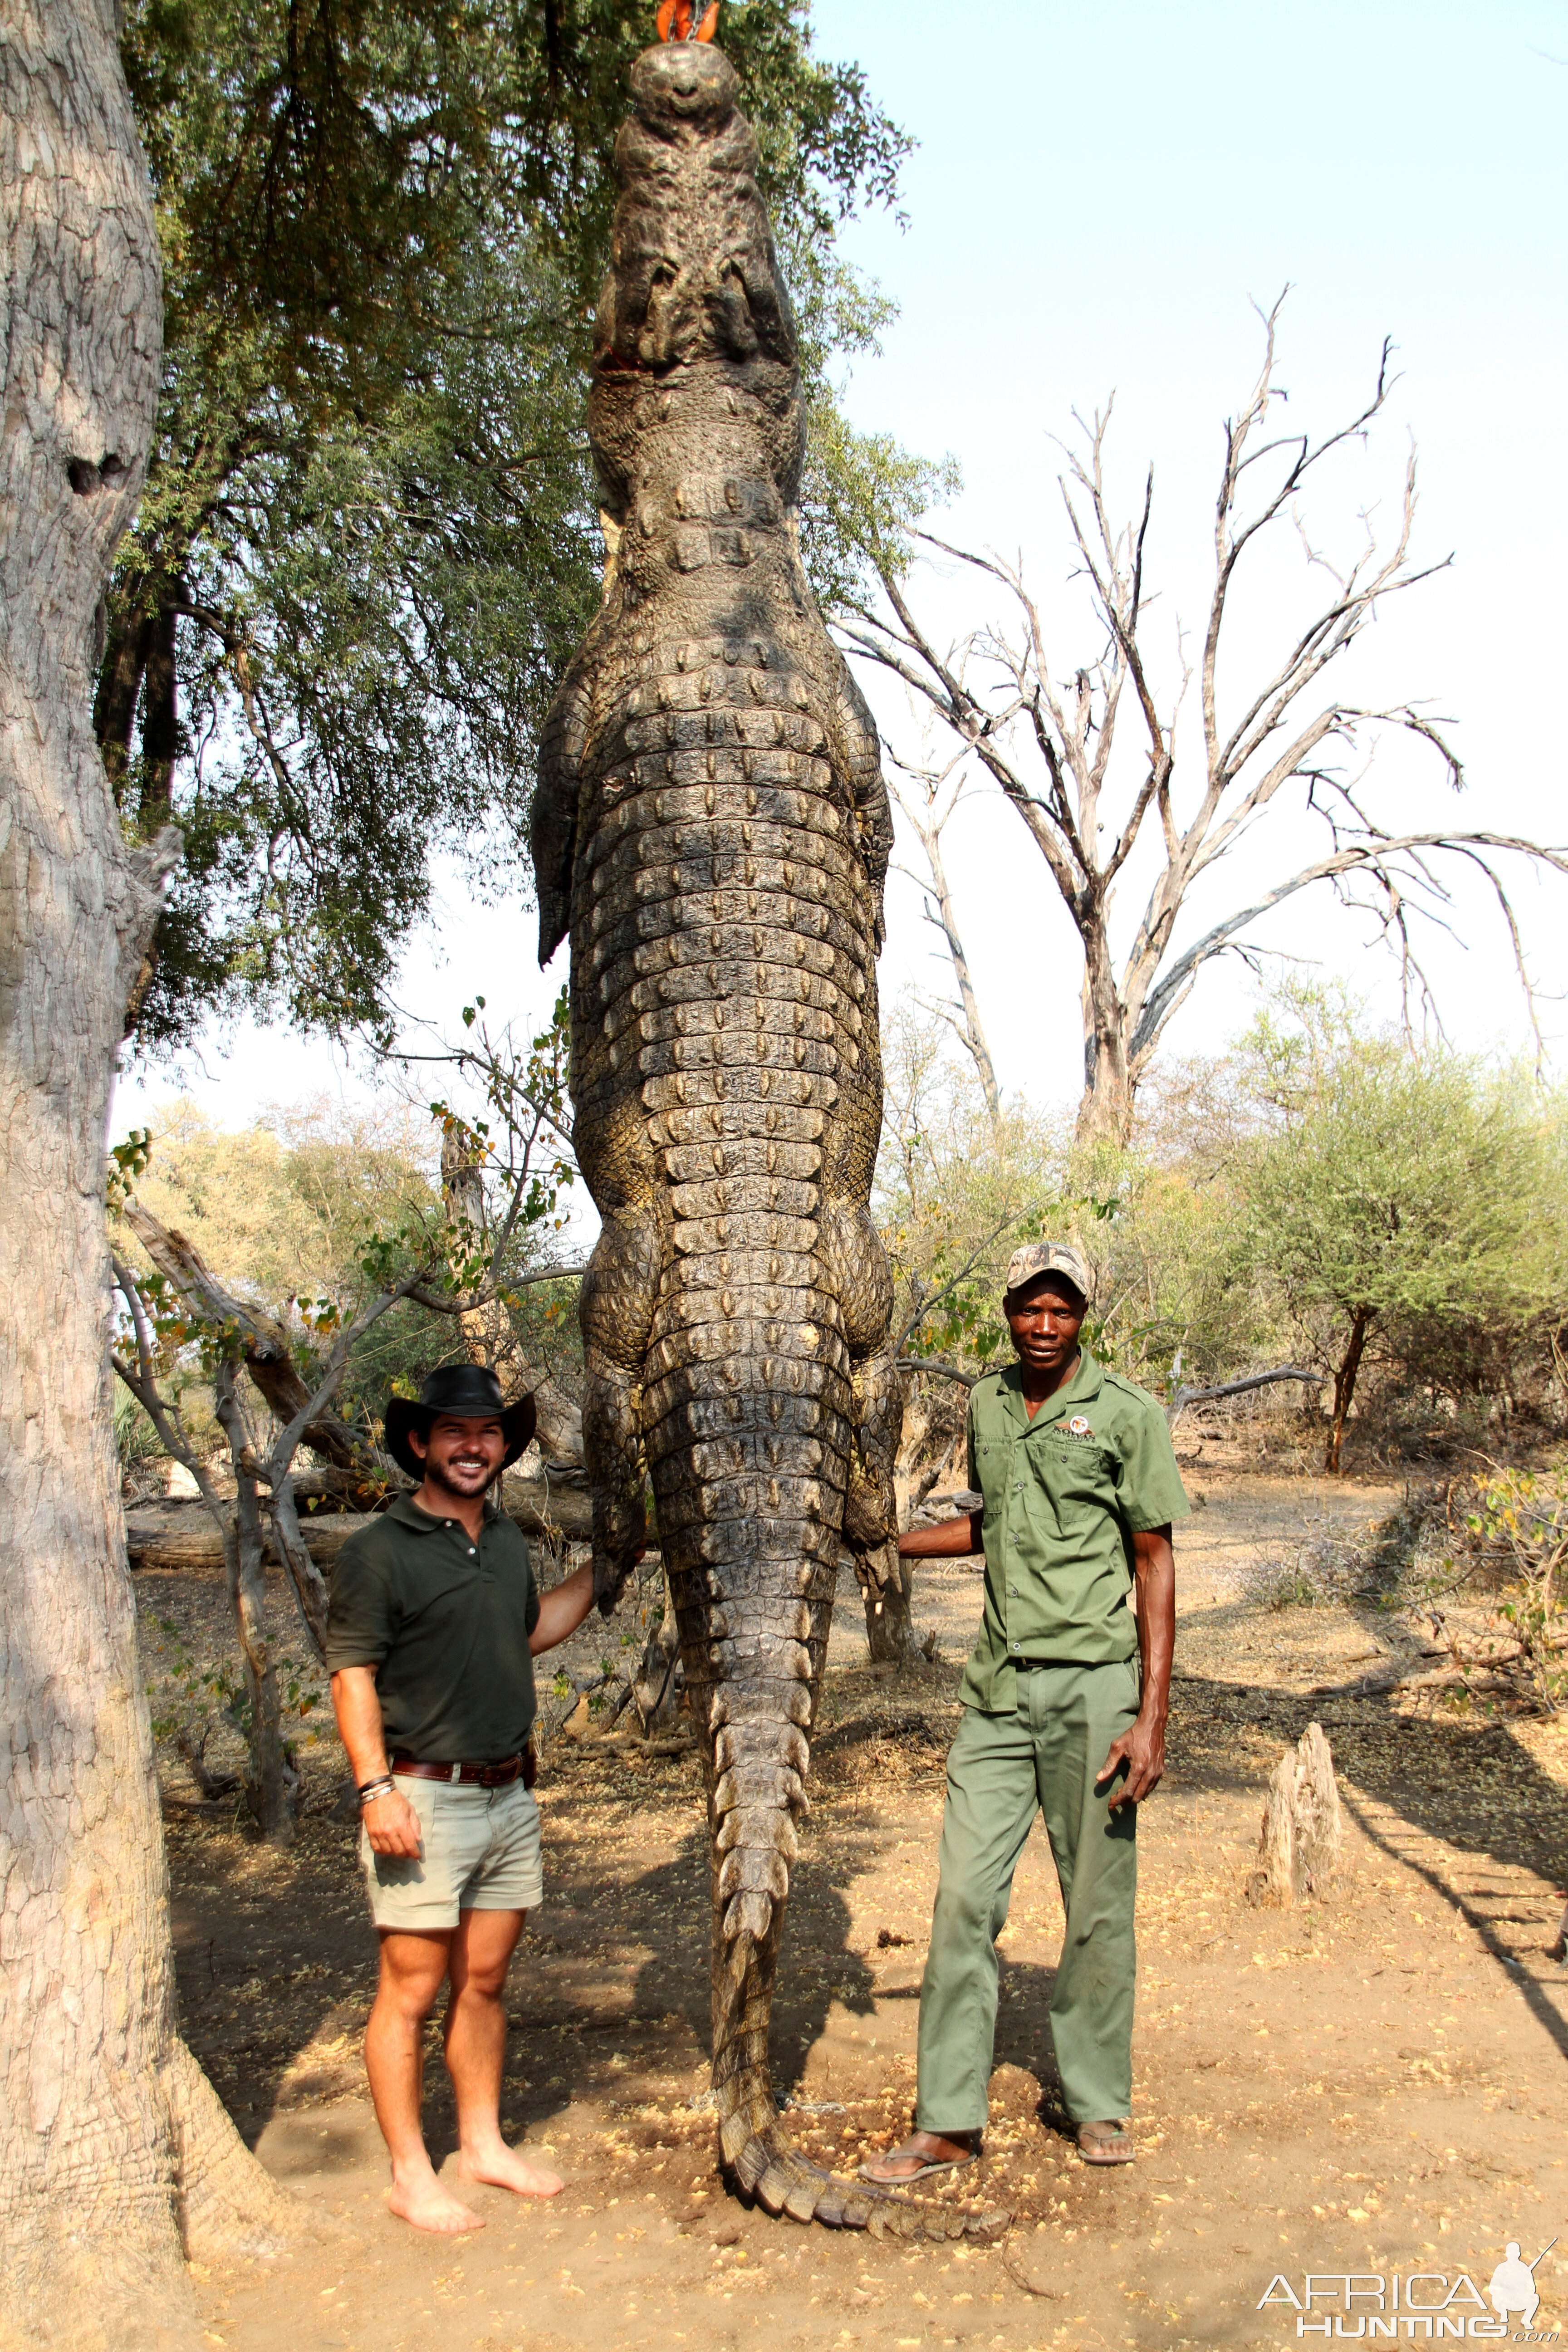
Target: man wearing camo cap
(1075, 1487)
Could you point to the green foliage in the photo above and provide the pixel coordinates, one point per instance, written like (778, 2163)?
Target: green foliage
(195, 1692)
(958, 1192)
(312, 1211)
(954, 1196)
(127, 1161)
(1265, 1196)
(1174, 1297)
(136, 1439)
(1517, 1520)
(279, 1209)
(1407, 1186)
(531, 1106)
(368, 540)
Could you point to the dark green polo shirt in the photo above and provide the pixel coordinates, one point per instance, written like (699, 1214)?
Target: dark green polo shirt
(1065, 1494)
(444, 1623)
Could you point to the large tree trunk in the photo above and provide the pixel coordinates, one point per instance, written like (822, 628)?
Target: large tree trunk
(1105, 1111)
(114, 2152)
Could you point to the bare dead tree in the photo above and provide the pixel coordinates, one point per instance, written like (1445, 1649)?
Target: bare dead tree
(1181, 1397)
(264, 1500)
(364, 1472)
(1046, 738)
(520, 1154)
(928, 798)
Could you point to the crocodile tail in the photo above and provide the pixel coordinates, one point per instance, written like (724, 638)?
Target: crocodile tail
(753, 1592)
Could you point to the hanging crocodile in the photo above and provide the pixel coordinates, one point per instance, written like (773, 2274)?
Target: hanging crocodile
(713, 827)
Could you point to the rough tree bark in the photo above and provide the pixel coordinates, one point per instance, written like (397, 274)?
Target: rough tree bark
(1344, 1386)
(115, 2155)
(1302, 1837)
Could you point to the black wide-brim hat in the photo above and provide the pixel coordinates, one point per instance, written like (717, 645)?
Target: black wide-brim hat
(470, 1391)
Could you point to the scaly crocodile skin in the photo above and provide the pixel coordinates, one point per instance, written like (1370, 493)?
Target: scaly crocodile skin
(711, 825)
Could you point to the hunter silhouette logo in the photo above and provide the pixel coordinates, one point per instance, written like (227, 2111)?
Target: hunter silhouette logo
(1514, 2288)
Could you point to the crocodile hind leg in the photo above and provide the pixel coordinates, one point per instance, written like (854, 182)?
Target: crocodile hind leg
(619, 1291)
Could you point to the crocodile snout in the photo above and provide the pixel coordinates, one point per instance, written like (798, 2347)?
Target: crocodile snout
(685, 84)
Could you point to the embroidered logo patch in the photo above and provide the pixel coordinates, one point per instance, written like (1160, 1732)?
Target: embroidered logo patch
(1078, 1427)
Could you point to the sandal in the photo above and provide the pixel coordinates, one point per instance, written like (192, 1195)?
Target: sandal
(925, 2165)
(1105, 2144)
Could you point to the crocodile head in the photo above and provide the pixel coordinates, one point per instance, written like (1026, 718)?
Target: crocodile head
(694, 328)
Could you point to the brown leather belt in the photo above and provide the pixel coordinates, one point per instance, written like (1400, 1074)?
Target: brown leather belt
(471, 1775)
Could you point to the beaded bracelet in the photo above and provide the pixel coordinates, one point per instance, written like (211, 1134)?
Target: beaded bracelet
(382, 1786)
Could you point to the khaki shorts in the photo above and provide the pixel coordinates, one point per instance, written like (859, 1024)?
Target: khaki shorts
(482, 1853)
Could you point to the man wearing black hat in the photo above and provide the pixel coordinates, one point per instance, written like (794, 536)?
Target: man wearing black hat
(433, 1624)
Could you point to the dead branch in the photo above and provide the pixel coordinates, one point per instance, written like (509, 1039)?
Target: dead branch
(1045, 733)
(169, 1536)
(939, 1365)
(926, 819)
(1183, 1397)
(268, 1357)
(928, 1305)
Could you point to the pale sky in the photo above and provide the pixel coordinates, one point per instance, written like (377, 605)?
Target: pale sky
(1096, 197)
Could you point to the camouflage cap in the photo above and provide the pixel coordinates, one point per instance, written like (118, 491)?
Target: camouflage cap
(1027, 1265)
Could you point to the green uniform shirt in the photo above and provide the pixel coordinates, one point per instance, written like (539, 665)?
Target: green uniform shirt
(446, 1624)
(1065, 1494)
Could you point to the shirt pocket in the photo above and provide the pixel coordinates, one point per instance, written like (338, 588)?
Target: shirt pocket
(993, 1466)
(1081, 1475)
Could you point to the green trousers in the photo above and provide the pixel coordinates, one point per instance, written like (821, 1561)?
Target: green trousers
(1001, 1769)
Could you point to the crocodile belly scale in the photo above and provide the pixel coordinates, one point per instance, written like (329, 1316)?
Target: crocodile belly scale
(711, 828)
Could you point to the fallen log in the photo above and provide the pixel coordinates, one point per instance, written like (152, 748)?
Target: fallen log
(183, 1537)
(1402, 1674)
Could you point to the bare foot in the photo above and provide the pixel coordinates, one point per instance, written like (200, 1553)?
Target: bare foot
(502, 2168)
(423, 2204)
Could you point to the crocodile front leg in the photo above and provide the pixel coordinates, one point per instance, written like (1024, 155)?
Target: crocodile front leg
(619, 1292)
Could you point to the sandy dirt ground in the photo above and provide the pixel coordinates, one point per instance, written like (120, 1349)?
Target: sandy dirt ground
(1372, 2085)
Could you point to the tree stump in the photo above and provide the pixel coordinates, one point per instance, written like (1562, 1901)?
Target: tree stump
(1298, 1848)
